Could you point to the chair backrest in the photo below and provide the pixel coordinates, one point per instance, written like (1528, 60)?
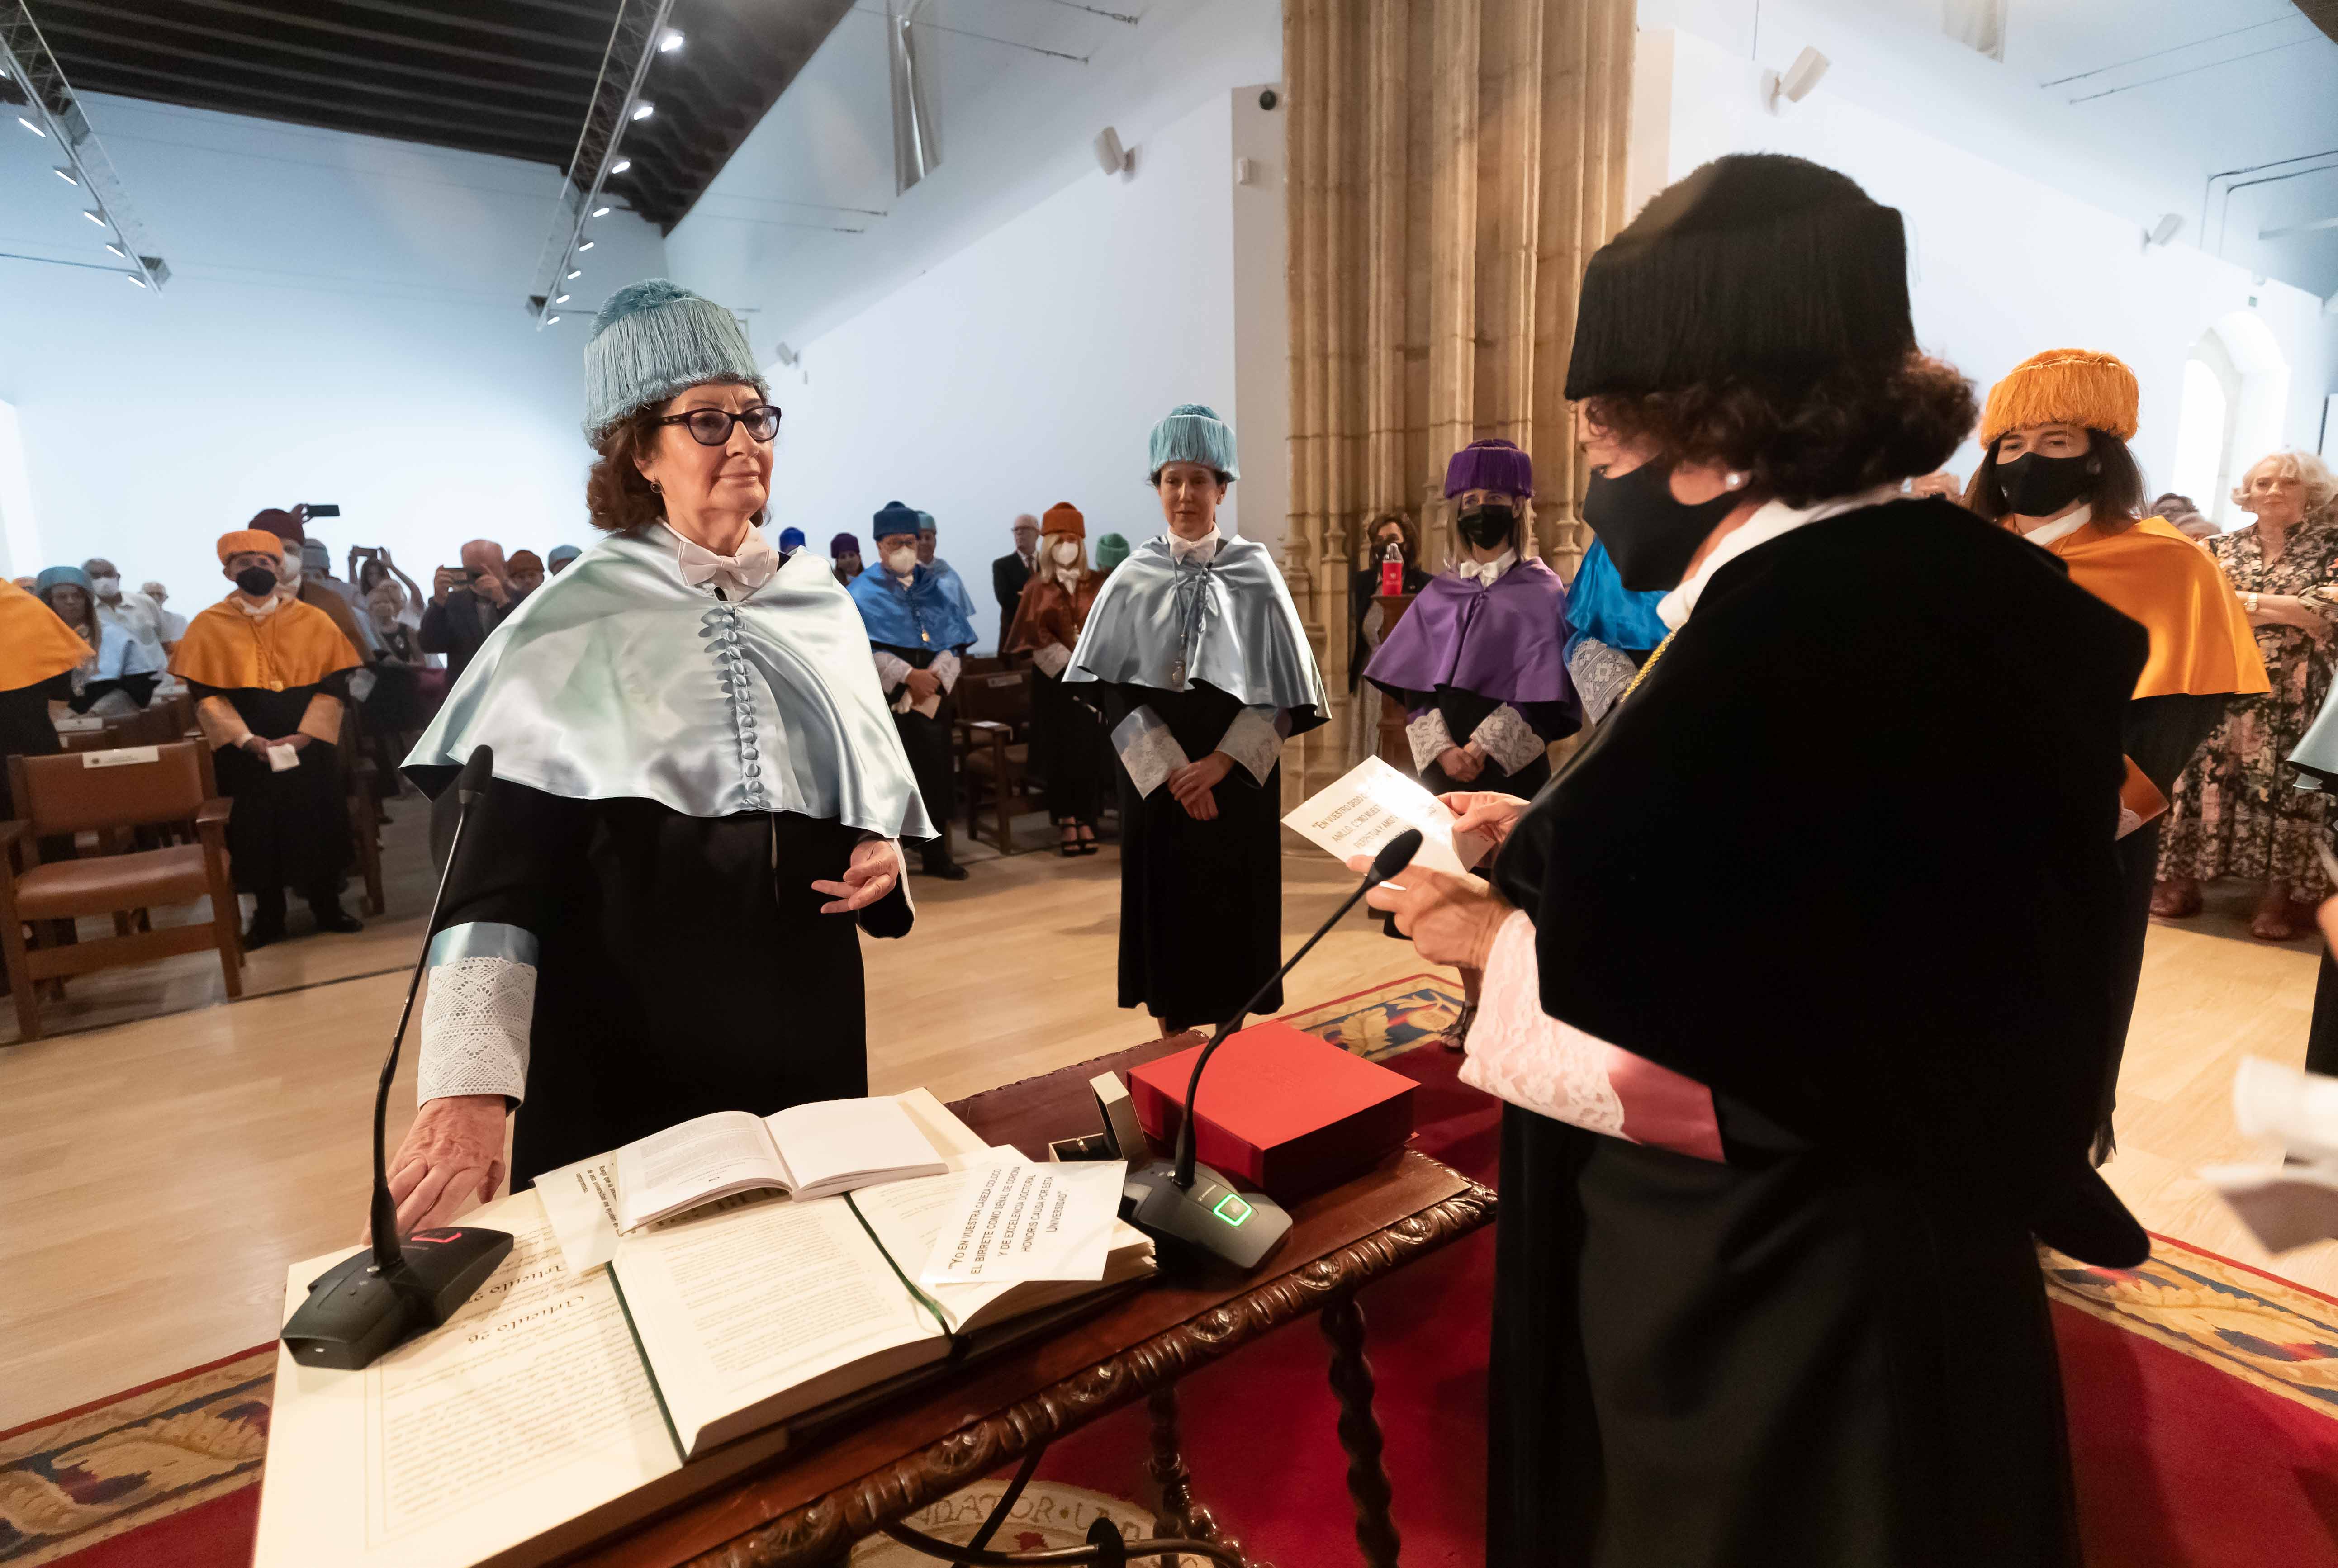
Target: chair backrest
(1003, 696)
(147, 727)
(88, 789)
(980, 664)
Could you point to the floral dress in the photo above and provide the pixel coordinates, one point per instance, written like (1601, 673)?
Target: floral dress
(2237, 811)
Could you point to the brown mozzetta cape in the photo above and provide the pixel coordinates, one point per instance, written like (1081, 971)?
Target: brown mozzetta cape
(1047, 612)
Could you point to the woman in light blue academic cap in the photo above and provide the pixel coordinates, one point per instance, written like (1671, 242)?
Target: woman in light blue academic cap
(1202, 669)
(696, 798)
(120, 677)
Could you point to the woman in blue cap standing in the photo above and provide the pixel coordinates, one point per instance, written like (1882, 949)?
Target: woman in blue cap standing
(695, 778)
(1202, 669)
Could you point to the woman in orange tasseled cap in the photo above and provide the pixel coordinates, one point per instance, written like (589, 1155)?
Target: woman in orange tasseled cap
(1068, 744)
(270, 676)
(2057, 470)
(38, 654)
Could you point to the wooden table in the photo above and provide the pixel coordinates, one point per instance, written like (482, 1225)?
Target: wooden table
(805, 1508)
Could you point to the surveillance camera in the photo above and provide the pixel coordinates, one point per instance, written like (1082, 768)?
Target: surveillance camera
(1267, 98)
(1795, 84)
(1110, 155)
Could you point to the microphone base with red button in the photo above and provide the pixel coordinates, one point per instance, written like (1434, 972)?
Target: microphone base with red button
(357, 1312)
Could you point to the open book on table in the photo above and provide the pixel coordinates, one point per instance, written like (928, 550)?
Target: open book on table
(809, 1150)
(562, 1403)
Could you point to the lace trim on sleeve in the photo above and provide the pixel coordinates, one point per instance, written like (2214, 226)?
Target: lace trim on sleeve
(475, 1024)
(1505, 736)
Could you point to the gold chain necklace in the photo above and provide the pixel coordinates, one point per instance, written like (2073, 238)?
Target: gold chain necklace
(1651, 664)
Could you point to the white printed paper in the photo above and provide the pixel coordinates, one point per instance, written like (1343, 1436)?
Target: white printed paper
(1020, 1223)
(1372, 805)
(1148, 749)
(580, 1202)
(283, 757)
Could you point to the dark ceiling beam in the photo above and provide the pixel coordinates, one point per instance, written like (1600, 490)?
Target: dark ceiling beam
(358, 125)
(469, 19)
(225, 67)
(353, 62)
(317, 24)
(333, 112)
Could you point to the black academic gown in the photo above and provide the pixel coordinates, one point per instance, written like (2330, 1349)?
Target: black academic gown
(932, 752)
(287, 829)
(1069, 748)
(683, 964)
(1201, 903)
(25, 730)
(1847, 858)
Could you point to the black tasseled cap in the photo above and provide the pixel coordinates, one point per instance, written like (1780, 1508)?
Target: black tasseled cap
(1758, 266)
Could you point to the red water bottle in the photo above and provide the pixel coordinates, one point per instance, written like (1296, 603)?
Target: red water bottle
(1391, 569)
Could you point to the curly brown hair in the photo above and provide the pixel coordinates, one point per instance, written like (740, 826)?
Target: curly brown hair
(1852, 428)
(617, 499)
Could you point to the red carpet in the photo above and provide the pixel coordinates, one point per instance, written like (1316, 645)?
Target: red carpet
(2202, 1397)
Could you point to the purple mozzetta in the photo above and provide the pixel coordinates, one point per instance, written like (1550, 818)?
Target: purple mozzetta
(1505, 641)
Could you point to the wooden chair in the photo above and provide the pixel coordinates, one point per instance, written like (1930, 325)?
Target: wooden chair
(75, 792)
(994, 713)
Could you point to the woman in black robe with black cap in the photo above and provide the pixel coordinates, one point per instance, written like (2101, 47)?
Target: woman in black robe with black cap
(1796, 975)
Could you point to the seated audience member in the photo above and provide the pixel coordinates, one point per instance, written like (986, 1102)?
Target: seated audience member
(526, 574)
(557, 559)
(2233, 812)
(271, 674)
(918, 630)
(118, 675)
(1011, 570)
(2183, 513)
(844, 554)
(38, 655)
(2056, 469)
(466, 605)
(172, 626)
(1759, 1129)
(140, 619)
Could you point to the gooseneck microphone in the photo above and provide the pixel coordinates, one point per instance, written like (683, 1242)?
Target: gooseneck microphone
(373, 1301)
(1183, 1201)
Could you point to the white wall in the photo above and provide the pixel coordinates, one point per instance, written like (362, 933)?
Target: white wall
(1028, 368)
(2003, 262)
(345, 324)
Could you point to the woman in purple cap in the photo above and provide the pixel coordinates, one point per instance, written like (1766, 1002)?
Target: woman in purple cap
(1480, 659)
(844, 554)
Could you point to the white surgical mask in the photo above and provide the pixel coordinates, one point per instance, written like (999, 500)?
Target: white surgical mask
(105, 587)
(291, 575)
(899, 562)
(1068, 552)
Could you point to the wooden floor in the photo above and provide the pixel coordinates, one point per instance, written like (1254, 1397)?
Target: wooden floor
(162, 1160)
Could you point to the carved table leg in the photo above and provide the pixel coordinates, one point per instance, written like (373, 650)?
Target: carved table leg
(1180, 1516)
(1359, 1431)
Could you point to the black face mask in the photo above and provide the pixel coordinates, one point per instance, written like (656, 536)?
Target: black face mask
(256, 581)
(2036, 485)
(1490, 526)
(1649, 534)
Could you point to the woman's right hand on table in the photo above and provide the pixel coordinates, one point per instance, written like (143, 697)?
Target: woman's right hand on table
(1488, 813)
(452, 1153)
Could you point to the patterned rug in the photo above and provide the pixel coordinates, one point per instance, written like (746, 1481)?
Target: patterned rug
(156, 1463)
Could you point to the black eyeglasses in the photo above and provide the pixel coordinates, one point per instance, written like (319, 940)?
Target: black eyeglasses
(712, 426)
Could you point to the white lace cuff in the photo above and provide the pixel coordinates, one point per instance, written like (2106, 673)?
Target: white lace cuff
(1148, 749)
(1429, 738)
(945, 668)
(1052, 659)
(1254, 739)
(1505, 736)
(1520, 1053)
(1601, 674)
(476, 1020)
(891, 669)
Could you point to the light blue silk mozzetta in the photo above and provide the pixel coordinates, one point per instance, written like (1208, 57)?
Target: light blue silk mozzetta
(616, 679)
(1230, 623)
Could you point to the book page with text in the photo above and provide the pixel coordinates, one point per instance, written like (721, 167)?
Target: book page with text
(692, 1162)
(764, 1309)
(528, 1407)
(828, 1143)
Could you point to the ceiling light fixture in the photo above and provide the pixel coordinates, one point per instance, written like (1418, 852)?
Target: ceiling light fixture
(552, 320)
(586, 246)
(35, 130)
(68, 176)
(118, 250)
(94, 216)
(645, 108)
(574, 276)
(563, 300)
(602, 212)
(621, 165)
(670, 40)
(135, 279)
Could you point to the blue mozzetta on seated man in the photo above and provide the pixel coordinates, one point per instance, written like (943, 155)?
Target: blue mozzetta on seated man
(695, 781)
(917, 630)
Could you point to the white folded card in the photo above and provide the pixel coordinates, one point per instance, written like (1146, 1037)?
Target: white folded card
(283, 757)
(1372, 805)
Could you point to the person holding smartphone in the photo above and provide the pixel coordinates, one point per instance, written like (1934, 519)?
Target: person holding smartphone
(466, 602)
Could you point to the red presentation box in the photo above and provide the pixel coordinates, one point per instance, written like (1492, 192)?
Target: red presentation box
(1281, 1110)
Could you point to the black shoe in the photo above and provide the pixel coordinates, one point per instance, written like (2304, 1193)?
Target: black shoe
(333, 917)
(1458, 1032)
(946, 870)
(261, 933)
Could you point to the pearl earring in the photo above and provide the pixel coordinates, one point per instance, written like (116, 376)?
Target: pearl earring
(1734, 481)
